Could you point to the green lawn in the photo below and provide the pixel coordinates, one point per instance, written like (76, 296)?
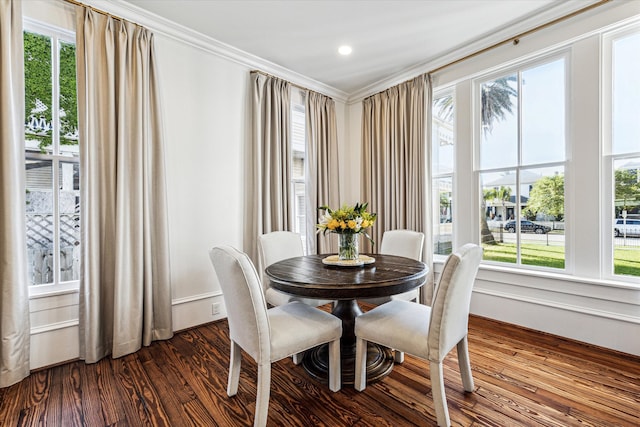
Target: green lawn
(626, 262)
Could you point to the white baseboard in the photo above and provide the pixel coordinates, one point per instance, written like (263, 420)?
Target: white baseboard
(197, 310)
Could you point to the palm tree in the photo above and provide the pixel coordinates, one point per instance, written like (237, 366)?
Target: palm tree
(497, 100)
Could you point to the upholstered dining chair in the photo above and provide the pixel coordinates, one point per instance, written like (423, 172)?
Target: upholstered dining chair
(406, 243)
(268, 335)
(427, 332)
(274, 247)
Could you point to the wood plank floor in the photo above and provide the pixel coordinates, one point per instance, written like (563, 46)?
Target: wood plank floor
(522, 378)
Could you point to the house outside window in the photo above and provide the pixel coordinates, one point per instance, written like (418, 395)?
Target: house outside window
(521, 164)
(51, 157)
(442, 167)
(622, 152)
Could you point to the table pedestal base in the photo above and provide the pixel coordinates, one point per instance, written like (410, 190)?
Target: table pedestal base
(379, 364)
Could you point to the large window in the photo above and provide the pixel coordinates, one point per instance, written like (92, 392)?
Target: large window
(521, 163)
(625, 152)
(51, 157)
(442, 166)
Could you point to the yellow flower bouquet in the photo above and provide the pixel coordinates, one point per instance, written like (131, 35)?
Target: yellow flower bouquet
(347, 222)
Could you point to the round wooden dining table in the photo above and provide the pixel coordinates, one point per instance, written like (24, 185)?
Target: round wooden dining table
(309, 277)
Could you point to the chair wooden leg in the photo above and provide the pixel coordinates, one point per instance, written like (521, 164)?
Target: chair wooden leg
(437, 390)
(398, 357)
(360, 381)
(465, 364)
(235, 361)
(262, 396)
(335, 373)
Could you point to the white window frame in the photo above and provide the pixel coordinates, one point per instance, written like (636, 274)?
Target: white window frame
(57, 35)
(517, 68)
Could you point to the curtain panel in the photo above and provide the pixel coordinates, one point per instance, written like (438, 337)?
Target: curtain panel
(14, 293)
(125, 293)
(269, 177)
(323, 185)
(396, 163)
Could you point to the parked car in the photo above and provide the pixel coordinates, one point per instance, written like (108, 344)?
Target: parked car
(527, 227)
(629, 228)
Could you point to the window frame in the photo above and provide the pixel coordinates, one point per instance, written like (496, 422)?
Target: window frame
(517, 68)
(57, 35)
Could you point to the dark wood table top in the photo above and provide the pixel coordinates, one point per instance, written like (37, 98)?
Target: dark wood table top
(308, 277)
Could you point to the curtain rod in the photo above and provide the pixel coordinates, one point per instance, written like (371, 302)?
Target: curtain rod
(516, 39)
(100, 11)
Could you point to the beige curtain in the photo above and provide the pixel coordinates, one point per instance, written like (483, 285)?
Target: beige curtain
(322, 167)
(125, 293)
(396, 164)
(14, 297)
(269, 177)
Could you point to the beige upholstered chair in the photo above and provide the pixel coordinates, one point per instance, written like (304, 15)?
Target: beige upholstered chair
(406, 243)
(427, 332)
(268, 335)
(274, 247)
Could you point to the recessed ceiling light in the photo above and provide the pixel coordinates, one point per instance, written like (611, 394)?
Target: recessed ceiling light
(344, 50)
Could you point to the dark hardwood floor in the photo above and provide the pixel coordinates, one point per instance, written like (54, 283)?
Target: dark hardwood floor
(522, 378)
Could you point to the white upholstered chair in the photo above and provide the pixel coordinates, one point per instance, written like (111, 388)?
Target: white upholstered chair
(274, 247)
(406, 243)
(268, 335)
(427, 332)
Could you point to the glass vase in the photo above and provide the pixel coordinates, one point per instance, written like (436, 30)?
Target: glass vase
(348, 246)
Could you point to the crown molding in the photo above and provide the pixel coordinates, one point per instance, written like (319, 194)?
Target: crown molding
(178, 32)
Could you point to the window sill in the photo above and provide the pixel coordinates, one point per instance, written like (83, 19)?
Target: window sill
(631, 284)
(45, 291)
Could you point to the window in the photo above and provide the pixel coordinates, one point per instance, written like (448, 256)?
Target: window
(51, 157)
(521, 165)
(298, 166)
(625, 152)
(442, 166)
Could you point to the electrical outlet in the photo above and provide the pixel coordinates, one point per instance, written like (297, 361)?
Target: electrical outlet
(215, 308)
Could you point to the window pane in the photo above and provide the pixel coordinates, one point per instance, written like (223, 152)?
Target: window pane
(38, 92)
(69, 209)
(499, 140)
(68, 101)
(40, 222)
(442, 135)
(542, 240)
(626, 95)
(626, 227)
(543, 114)
(442, 229)
(498, 196)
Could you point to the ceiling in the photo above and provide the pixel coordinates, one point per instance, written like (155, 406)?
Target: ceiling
(387, 37)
